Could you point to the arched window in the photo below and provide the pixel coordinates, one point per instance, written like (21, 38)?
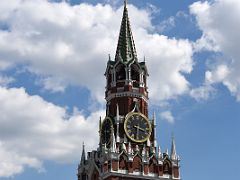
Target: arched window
(167, 168)
(122, 162)
(137, 164)
(135, 73)
(84, 176)
(153, 166)
(120, 72)
(109, 79)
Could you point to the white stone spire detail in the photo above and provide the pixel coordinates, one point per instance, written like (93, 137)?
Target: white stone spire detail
(117, 113)
(159, 152)
(153, 150)
(105, 148)
(155, 130)
(117, 120)
(124, 147)
(173, 150)
(137, 148)
(167, 152)
(144, 151)
(130, 150)
(125, 138)
(113, 143)
(148, 142)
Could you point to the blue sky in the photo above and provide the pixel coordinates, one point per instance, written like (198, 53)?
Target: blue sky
(52, 59)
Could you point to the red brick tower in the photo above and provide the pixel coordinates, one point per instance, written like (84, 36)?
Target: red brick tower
(127, 146)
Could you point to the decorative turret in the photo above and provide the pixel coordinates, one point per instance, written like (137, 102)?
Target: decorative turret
(83, 157)
(173, 150)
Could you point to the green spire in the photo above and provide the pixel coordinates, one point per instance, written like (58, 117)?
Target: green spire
(83, 158)
(126, 50)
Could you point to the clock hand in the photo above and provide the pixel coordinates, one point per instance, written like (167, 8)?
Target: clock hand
(139, 128)
(137, 133)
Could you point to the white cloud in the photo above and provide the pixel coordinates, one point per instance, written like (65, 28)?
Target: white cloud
(220, 24)
(167, 115)
(71, 43)
(5, 80)
(53, 84)
(168, 60)
(167, 24)
(13, 163)
(33, 130)
(218, 75)
(202, 93)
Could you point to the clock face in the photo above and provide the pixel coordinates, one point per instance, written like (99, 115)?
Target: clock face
(106, 131)
(137, 127)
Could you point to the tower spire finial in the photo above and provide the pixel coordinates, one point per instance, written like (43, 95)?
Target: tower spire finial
(83, 158)
(126, 50)
(125, 3)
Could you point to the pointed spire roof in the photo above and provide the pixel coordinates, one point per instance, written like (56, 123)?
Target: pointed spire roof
(173, 150)
(83, 158)
(126, 50)
(167, 152)
(159, 152)
(130, 150)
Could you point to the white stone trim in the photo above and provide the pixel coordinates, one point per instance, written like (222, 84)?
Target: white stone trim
(128, 94)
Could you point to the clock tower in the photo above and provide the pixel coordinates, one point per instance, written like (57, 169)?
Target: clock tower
(128, 147)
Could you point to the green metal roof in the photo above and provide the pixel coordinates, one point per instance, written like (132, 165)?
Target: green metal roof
(126, 50)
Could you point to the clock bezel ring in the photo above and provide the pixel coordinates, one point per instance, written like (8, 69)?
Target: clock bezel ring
(128, 116)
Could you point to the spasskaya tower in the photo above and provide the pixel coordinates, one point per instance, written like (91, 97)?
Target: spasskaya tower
(128, 147)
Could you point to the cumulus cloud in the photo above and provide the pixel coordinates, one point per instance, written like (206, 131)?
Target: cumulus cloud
(167, 64)
(12, 163)
(167, 115)
(167, 24)
(71, 43)
(202, 93)
(221, 34)
(65, 45)
(33, 130)
(5, 80)
(52, 84)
